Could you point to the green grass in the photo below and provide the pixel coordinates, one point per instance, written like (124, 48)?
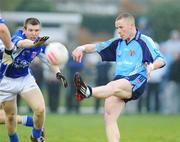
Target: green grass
(90, 128)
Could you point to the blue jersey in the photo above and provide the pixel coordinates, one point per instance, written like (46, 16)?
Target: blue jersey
(1, 20)
(130, 57)
(22, 57)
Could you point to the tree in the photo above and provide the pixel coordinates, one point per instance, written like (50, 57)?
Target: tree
(36, 5)
(163, 17)
(9, 5)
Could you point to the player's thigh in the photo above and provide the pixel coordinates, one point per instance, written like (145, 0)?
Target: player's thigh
(113, 107)
(34, 98)
(10, 107)
(121, 87)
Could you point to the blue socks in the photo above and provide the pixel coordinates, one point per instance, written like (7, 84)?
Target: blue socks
(36, 133)
(27, 121)
(14, 137)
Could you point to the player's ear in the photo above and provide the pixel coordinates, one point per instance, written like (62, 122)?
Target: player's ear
(24, 29)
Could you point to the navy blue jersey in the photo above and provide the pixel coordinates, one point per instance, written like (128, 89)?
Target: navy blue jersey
(22, 57)
(129, 57)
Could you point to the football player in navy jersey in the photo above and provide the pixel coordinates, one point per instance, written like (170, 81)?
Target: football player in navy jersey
(135, 55)
(17, 78)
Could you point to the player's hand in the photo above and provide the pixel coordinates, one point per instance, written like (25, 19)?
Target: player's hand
(62, 78)
(78, 53)
(7, 57)
(148, 70)
(40, 41)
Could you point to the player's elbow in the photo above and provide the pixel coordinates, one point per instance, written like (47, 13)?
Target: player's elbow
(162, 63)
(2, 29)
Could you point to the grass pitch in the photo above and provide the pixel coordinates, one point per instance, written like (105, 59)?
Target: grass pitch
(90, 128)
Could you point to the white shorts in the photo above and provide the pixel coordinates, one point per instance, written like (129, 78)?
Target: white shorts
(10, 87)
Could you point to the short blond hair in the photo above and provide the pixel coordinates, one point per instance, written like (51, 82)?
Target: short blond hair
(126, 15)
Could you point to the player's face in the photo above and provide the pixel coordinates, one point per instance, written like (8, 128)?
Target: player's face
(124, 28)
(32, 31)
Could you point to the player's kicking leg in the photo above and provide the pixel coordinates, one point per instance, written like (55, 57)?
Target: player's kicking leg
(113, 93)
(120, 88)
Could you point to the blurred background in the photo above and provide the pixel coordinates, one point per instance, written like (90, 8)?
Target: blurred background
(77, 22)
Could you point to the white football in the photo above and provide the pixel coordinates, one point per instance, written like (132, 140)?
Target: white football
(57, 53)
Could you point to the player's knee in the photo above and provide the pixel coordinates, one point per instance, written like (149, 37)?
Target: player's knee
(109, 116)
(127, 95)
(11, 117)
(39, 110)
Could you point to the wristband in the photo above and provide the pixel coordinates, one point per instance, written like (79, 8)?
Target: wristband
(9, 52)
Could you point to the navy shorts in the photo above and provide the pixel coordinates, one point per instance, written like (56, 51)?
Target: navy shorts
(138, 82)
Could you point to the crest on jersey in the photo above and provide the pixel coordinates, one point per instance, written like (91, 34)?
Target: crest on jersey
(131, 52)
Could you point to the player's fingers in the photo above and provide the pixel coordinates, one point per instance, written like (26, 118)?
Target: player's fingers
(76, 55)
(80, 59)
(45, 38)
(77, 58)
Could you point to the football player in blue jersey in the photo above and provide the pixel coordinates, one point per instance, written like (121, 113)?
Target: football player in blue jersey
(135, 55)
(17, 78)
(6, 38)
(5, 34)
(21, 119)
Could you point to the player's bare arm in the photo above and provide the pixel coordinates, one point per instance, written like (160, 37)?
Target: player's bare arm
(5, 36)
(29, 43)
(78, 53)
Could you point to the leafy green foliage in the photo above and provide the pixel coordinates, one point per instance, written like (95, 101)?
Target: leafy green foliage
(9, 5)
(164, 16)
(99, 23)
(28, 5)
(36, 5)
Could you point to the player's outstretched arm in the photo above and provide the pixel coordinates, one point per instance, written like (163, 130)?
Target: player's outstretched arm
(78, 52)
(5, 36)
(59, 75)
(29, 43)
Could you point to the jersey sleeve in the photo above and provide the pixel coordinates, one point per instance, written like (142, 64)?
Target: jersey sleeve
(17, 37)
(107, 49)
(150, 50)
